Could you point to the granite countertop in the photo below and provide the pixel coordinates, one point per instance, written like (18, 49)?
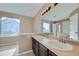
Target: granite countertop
(43, 40)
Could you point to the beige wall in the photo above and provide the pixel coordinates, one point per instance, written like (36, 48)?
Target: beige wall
(26, 25)
(25, 43)
(8, 40)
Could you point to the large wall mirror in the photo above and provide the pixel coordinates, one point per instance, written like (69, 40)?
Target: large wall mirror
(61, 23)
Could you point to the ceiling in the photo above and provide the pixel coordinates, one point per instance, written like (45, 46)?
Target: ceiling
(61, 11)
(26, 9)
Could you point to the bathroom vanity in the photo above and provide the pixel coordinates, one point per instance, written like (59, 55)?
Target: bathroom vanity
(43, 46)
(41, 50)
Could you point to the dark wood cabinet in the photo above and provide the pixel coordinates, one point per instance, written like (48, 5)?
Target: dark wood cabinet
(35, 46)
(41, 50)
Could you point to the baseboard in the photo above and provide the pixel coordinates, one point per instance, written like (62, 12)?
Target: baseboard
(26, 52)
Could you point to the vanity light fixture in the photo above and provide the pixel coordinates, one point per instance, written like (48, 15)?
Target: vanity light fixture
(55, 4)
(48, 9)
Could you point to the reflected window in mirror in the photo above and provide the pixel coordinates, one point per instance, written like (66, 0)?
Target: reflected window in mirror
(46, 27)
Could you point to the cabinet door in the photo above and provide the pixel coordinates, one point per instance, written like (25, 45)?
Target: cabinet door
(42, 50)
(74, 27)
(35, 46)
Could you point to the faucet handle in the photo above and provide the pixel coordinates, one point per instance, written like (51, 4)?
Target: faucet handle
(62, 39)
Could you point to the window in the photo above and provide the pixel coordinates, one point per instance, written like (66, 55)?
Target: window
(46, 27)
(9, 26)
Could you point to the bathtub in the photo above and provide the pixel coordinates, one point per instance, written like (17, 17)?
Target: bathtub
(10, 50)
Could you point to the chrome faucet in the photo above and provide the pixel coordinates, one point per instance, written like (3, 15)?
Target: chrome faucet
(61, 39)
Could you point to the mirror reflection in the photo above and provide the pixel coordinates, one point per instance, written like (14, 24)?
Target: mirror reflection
(62, 21)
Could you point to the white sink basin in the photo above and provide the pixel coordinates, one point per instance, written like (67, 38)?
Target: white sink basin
(55, 44)
(59, 45)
